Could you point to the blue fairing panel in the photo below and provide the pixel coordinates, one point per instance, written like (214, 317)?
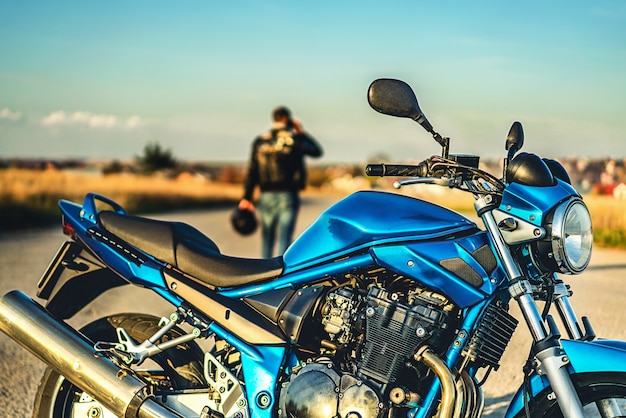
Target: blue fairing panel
(369, 217)
(422, 261)
(596, 356)
(534, 202)
(585, 357)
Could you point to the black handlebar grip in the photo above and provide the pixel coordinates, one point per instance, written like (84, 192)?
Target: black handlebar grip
(375, 170)
(396, 170)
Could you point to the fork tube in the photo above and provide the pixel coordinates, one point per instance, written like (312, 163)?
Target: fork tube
(520, 291)
(552, 361)
(566, 311)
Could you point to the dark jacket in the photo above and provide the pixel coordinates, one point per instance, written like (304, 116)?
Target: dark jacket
(277, 161)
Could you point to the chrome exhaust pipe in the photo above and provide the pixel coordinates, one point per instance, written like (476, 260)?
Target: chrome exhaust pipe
(447, 407)
(68, 352)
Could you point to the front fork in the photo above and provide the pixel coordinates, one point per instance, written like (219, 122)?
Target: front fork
(551, 361)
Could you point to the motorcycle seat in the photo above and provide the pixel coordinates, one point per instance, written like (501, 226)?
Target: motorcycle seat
(189, 250)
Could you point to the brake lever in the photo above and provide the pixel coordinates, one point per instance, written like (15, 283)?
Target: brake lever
(439, 181)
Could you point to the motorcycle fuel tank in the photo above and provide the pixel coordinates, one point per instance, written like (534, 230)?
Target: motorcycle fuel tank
(369, 218)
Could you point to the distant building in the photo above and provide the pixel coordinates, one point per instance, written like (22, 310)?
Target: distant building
(619, 192)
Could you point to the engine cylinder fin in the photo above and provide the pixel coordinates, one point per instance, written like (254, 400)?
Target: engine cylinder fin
(394, 331)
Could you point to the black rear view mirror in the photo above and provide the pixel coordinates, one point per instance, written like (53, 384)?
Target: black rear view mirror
(396, 98)
(515, 139)
(514, 142)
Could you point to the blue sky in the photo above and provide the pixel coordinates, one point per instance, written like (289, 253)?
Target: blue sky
(102, 79)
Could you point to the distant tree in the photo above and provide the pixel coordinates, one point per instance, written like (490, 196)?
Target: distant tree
(155, 158)
(379, 157)
(114, 167)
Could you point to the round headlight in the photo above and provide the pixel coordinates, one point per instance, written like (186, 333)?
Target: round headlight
(572, 236)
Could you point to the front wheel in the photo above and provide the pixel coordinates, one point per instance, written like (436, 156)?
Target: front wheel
(180, 367)
(603, 395)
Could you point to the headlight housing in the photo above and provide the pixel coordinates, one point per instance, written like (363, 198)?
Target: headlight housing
(570, 239)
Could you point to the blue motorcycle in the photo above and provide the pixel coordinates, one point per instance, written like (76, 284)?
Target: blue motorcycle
(386, 306)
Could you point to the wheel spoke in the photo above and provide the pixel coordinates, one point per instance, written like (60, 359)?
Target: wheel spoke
(611, 408)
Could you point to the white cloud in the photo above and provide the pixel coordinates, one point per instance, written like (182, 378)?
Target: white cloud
(92, 120)
(134, 122)
(8, 114)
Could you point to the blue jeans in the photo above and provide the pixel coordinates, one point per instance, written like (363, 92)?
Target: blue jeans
(279, 211)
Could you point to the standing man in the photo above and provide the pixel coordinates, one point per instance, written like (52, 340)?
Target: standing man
(277, 167)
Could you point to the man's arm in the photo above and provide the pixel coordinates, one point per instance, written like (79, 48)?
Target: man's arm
(252, 176)
(309, 146)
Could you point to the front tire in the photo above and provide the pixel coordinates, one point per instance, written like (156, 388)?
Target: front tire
(602, 395)
(182, 366)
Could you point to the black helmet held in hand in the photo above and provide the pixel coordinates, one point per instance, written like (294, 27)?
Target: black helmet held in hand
(244, 221)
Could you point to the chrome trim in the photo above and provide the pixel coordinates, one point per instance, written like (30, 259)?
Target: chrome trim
(67, 351)
(523, 232)
(558, 237)
(553, 363)
(448, 385)
(566, 311)
(524, 299)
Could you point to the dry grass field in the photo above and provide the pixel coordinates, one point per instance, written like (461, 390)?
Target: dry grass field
(609, 220)
(30, 197)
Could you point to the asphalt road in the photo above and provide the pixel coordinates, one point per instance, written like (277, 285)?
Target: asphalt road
(599, 293)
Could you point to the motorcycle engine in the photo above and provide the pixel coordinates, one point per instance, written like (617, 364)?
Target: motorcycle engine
(372, 337)
(320, 391)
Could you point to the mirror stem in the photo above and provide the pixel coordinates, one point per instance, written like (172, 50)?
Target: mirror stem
(505, 166)
(444, 142)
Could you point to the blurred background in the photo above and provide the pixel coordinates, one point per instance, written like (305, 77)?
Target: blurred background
(157, 103)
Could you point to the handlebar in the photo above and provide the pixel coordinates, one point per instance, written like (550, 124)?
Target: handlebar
(459, 171)
(397, 170)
